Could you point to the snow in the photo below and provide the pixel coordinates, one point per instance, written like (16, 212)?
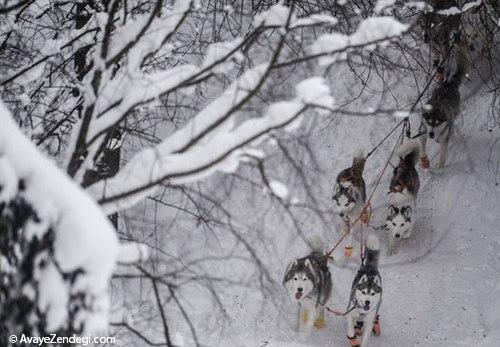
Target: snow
(370, 30)
(276, 15)
(454, 10)
(279, 189)
(377, 28)
(155, 32)
(126, 91)
(218, 51)
(315, 19)
(8, 180)
(441, 288)
(84, 237)
(382, 4)
(132, 252)
(54, 297)
(328, 43)
(315, 91)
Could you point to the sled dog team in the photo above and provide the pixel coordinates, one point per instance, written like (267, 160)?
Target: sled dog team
(308, 279)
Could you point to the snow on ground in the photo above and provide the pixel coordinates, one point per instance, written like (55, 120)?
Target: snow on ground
(439, 288)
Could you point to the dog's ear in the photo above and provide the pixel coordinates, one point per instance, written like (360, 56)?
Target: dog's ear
(406, 210)
(349, 189)
(377, 281)
(392, 210)
(293, 263)
(309, 265)
(363, 279)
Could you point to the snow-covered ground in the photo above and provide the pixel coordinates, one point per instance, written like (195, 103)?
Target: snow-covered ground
(440, 287)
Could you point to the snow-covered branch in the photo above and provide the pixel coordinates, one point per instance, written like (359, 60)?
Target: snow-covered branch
(221, 152)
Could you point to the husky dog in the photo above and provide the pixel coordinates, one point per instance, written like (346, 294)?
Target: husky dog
(440, 30)
(403, 192)
(366, 297)
(350, 195)
(309, 284)
(441, 111)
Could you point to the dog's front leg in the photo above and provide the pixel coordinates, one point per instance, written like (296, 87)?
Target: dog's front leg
(350, 242)
(424, 160)
(311, 317)
(319, 322)
(300, 313)
(443, 148)
(369, 319)
(393, 245)
(351, 334)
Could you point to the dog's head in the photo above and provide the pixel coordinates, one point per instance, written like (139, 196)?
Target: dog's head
(437, 124)
(299, 279)
(399, 220)
(368, 292)
(344, 199)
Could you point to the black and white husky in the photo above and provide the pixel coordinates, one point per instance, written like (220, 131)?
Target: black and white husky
(403, 192)
(366, 297)
(309, 284)
(441, 110)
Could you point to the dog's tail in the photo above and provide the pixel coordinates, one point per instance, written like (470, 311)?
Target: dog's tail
(372, 250)
(409, 152)
(358, 164)
(316, 244)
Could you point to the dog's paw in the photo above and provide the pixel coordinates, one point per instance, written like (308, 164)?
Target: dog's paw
(424, 162)
(392, 251)
(365, 216)
(348, 251)
(319, 323)
(376, 328)
(354, 341)
(305, 316)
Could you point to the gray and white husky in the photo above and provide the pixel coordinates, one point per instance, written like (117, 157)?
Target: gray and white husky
(350, 195)
(403, 192)
(309, 284)
(366, 297)
(441, 110)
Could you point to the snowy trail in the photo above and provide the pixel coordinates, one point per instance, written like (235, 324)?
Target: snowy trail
(437, 288)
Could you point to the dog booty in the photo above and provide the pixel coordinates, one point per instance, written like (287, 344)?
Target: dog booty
(348, 251)
(376, 327)
(424, 162)
(305, 316)
(354, 341)
(319, 323)
(365, 216)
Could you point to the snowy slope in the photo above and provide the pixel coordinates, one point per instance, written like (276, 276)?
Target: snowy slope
(439, 287)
